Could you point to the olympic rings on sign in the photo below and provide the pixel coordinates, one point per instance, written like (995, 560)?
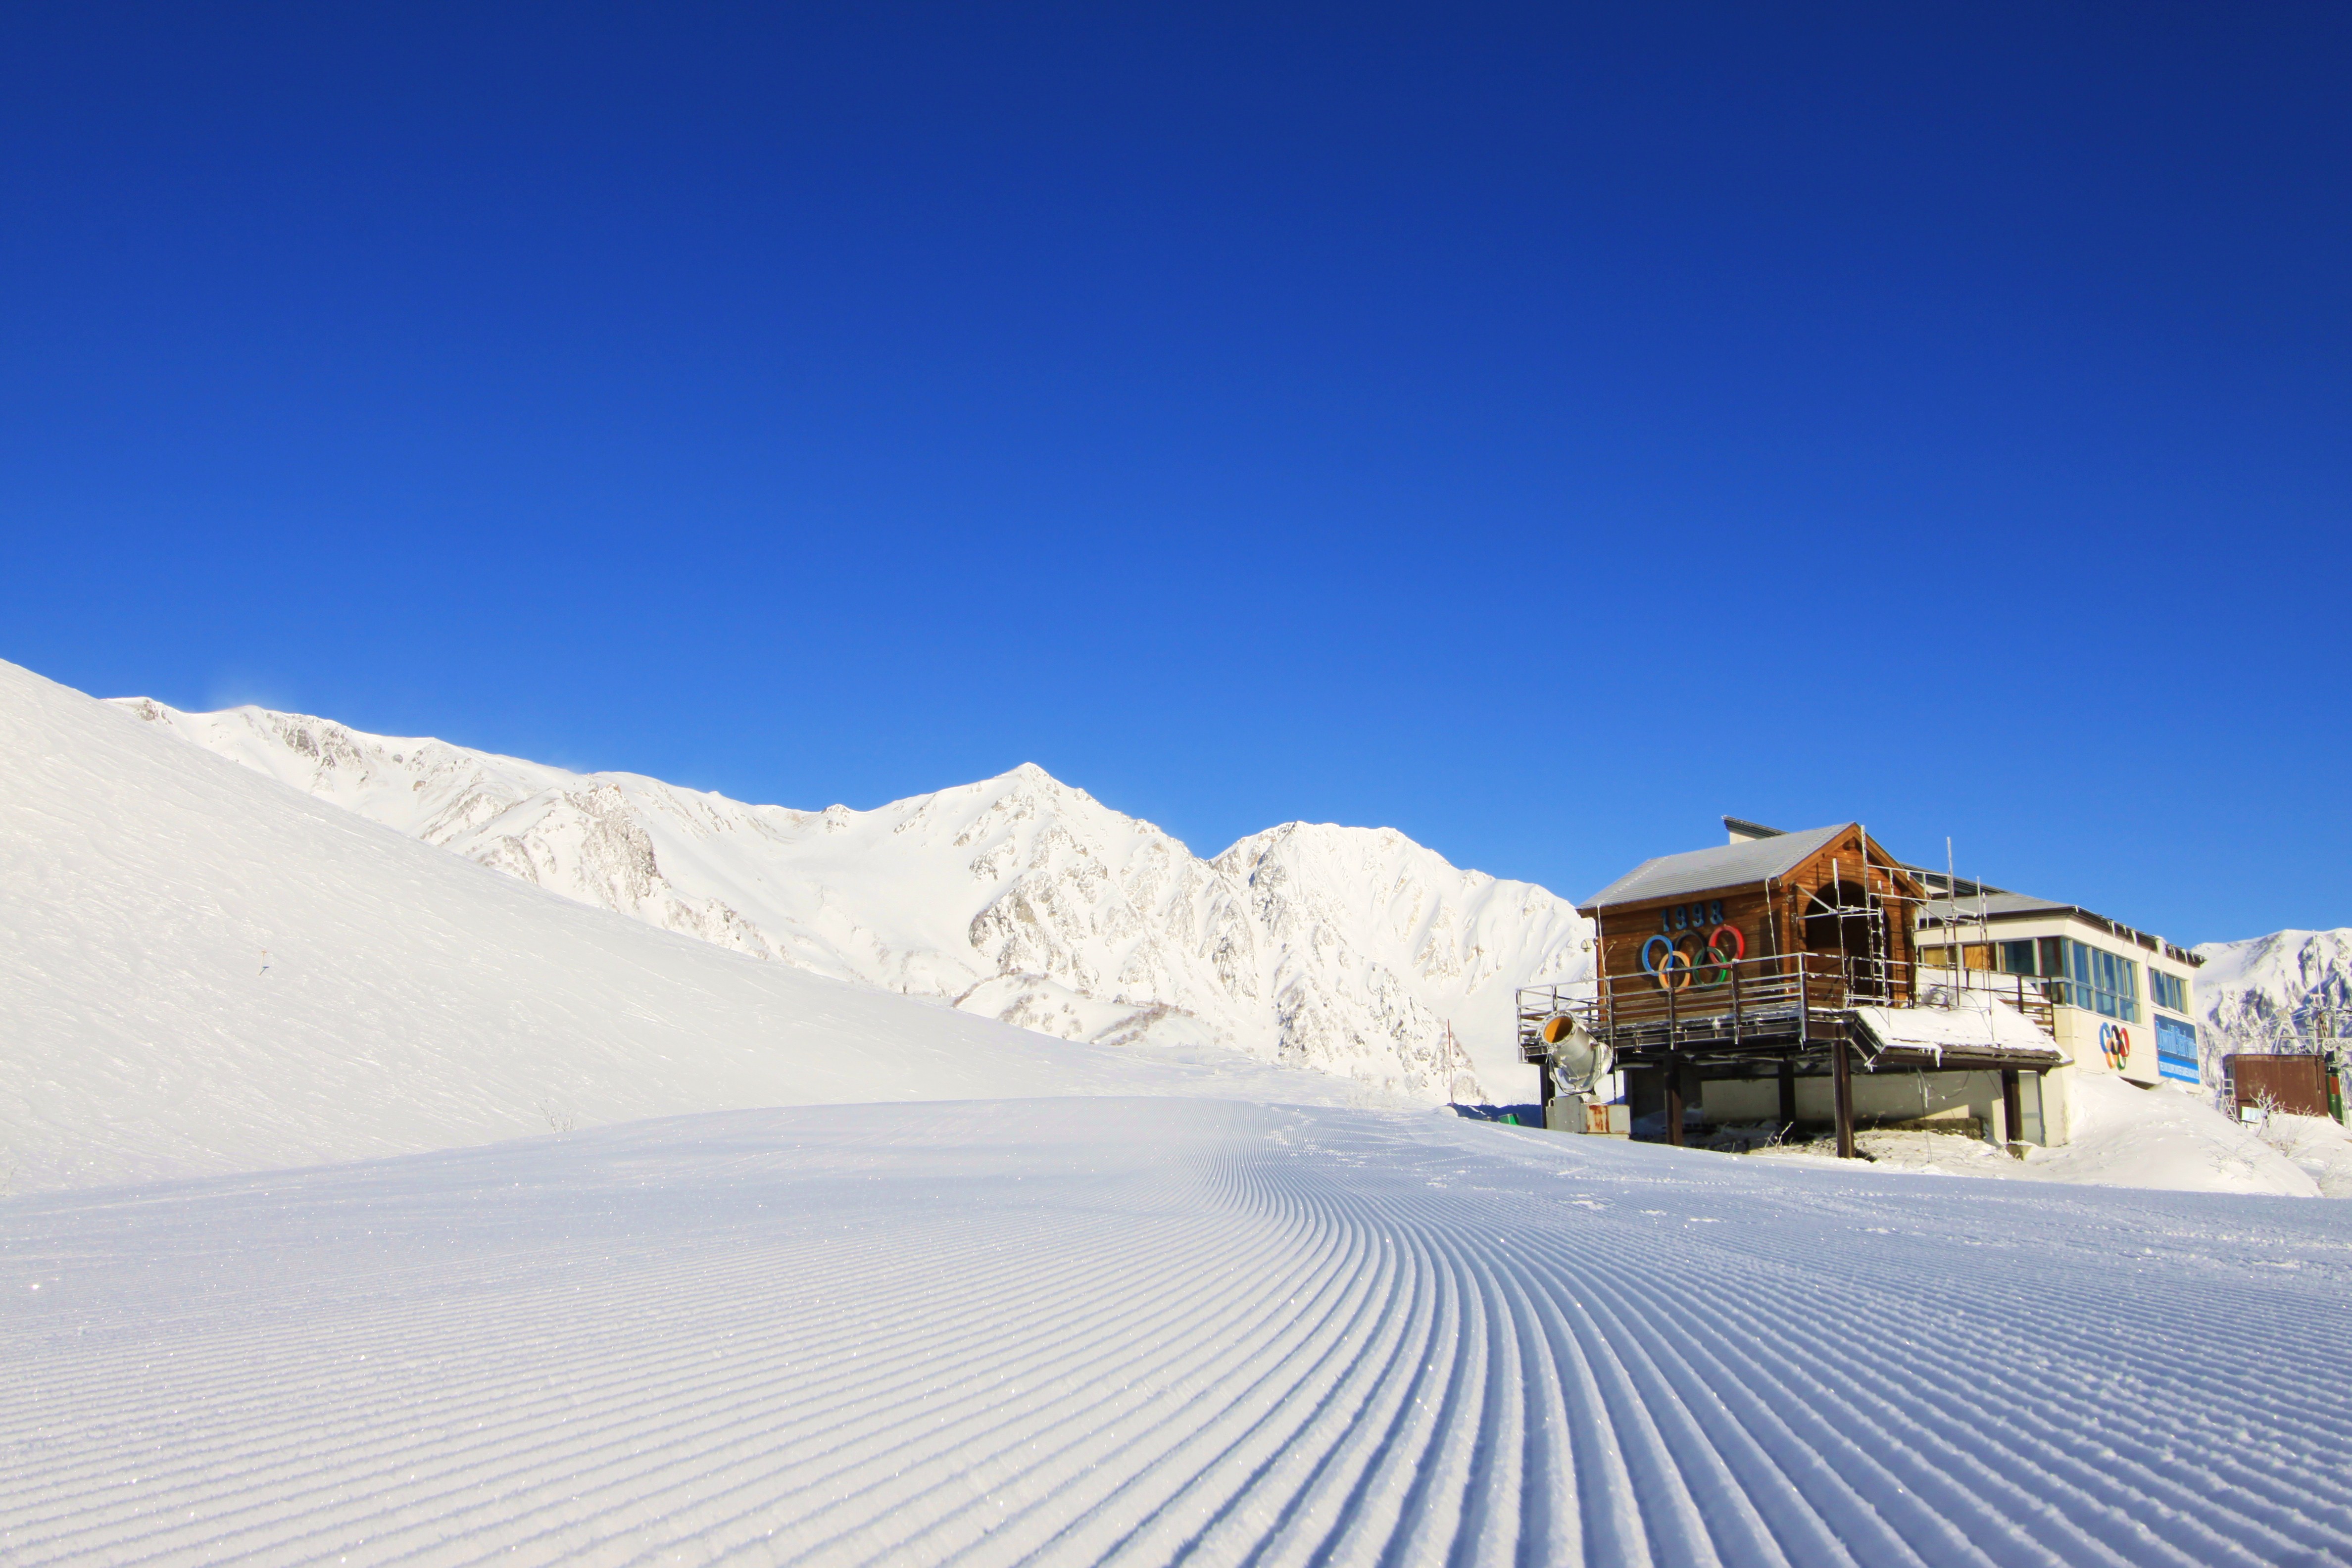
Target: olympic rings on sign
(2114, 1043)
(1719, 959)
(1705, 961)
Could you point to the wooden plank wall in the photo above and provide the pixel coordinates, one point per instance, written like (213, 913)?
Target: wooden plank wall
(1624, 928)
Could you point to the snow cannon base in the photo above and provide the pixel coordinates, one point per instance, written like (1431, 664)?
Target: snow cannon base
(1592, 1117)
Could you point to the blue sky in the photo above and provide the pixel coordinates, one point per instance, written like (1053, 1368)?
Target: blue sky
(1539, 430)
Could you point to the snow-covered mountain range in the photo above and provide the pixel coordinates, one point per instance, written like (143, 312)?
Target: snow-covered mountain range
(1354, 951)
(2277, 992)
(203, 970)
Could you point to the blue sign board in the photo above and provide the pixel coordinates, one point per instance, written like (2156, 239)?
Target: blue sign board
(2176, 1048)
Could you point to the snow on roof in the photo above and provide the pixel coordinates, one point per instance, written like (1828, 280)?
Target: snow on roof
(1972, 1020)
(1724, 866)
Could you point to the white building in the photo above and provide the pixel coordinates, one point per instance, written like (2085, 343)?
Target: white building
(2120, 1000)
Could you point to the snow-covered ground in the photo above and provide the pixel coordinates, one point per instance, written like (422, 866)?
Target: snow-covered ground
(1163, 1330)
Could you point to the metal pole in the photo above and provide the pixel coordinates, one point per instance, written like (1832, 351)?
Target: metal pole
(1673, 1065)
(1673, 1100)
(1952, 907)
(1984, 922)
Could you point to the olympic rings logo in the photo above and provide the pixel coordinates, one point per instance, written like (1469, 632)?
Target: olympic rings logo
(1664, 960)
(2114, 1043)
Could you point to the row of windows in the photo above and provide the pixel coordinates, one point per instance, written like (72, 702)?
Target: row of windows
(2008, 957)
(2084, 976)
(2102, 982)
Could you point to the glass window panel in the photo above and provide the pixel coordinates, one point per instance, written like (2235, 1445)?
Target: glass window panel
(2168, 991)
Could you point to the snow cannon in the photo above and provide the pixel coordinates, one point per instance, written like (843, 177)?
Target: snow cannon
(1578, 1059)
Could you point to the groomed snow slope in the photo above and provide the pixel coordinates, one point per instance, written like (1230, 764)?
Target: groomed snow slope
(203, 970)
(1160, 1330)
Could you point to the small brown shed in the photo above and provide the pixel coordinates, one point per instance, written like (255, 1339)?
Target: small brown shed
(2296, 1084)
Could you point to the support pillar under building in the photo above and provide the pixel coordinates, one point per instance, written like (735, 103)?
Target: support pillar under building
(1841, 1078)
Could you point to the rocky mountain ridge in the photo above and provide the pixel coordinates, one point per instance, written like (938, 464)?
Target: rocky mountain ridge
(1354, 951)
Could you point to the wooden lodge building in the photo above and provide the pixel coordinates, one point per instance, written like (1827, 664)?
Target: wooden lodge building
(1775, 979)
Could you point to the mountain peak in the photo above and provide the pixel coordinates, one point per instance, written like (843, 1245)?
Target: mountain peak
(1030, 777)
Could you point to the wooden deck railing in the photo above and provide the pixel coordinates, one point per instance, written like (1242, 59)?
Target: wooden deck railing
(1752, 997)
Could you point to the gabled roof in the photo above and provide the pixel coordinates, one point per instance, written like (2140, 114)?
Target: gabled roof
(1725, 865)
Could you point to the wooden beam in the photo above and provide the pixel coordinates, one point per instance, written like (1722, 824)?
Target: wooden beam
(1842, 1074)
